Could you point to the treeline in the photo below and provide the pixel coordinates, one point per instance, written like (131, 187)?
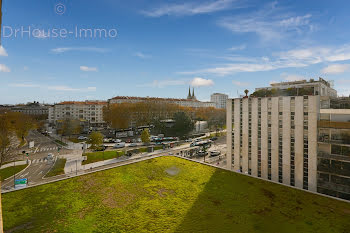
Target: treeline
(123, 115)
(14, 127)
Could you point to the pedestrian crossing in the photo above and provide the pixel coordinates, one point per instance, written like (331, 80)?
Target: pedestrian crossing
(43, 149)
(42, 160)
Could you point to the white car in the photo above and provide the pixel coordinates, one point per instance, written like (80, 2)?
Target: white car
(82, 138)
(119, 145)
(50, 156)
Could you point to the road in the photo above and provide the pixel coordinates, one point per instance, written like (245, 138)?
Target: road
(36, 171)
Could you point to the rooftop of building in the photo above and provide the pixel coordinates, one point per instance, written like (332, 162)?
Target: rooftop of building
(87, 102)
(311, 81)
(170, 194)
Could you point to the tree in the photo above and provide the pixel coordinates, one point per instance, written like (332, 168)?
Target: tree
(70, 127)
(95, 139)
(183, 125)
(145, 136)
(8, 140)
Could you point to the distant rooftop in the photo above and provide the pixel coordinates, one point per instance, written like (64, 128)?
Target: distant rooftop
(150, 98)
(87, 102)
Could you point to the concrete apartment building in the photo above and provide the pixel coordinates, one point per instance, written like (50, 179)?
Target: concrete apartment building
(278, 138)
(89, 111)
(219, 100)
(34, 108)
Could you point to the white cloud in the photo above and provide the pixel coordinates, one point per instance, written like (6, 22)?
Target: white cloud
(4, 68)
(29, 85)
(165, 83)
(240, 84)
(269, 23)
(88, 69)
(292, 77)
(335, 69)
(3, 52)
(67, 88)
(289, 59)
(236, 48)
(201, 82)
(53, 88)
(193, 8)
(142, 55)
(80, 49)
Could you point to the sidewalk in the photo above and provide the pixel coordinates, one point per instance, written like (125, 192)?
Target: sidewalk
(11, 164)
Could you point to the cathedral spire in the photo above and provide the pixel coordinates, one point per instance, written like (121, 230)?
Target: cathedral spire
(189, 93)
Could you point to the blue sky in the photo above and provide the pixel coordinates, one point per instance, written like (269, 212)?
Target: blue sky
(162, 47)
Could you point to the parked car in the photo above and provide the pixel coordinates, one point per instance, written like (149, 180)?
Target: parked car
(100, 148)
(133, 145)
(50, 156)
(106, 140)
(214, 139)
(215, 153)
(202, 153)
(82, 138)
(119, 145)
(188, 140)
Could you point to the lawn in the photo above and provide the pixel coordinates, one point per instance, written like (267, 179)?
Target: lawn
(58, 168)
(169, 194)
(101, 155)
(9, 171)
(60, 142)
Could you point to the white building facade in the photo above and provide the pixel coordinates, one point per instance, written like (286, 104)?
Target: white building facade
(219, 100)
(90, 111)
(274, 138)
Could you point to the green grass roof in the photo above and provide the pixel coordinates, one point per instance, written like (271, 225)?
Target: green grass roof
(169, 194)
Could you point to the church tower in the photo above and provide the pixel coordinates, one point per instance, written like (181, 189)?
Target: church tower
(189, 93)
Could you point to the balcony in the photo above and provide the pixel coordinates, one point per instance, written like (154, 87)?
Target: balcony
(333, 125)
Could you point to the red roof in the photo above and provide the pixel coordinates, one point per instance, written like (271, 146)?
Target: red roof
(83, 103)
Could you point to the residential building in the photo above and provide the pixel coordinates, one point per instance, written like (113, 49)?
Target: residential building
(90, 111)
(34, 108)
(299, 141)
(219, 100)
(191, 101)
(319, 87)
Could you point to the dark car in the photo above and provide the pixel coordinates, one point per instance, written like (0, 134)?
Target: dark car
(100, 148)
(214, 139)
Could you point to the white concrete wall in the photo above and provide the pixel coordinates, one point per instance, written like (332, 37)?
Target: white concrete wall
(274, 139)
(229, 134)
(312, 145)
(237, 130)
(264, 139)
(299, 141)
(254, 136)
(286, 141)
(245, 138)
